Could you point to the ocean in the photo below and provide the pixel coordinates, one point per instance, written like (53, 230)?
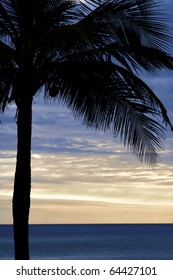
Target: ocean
(93, 242)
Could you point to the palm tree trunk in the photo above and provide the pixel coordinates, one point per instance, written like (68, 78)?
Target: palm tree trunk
(22, 180)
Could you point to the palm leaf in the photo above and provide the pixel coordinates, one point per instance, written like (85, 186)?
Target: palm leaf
(113, 105)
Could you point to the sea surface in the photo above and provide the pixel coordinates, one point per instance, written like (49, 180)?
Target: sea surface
(94, 242)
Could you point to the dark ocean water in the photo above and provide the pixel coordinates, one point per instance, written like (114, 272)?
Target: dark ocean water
(106, 242)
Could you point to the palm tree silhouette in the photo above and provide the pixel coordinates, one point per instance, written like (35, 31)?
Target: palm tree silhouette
(86, 54)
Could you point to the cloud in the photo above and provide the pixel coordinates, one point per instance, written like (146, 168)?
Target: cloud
(74, 212)
(79, 175)
(74, 166)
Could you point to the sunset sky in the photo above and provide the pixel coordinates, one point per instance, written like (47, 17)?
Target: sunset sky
(82, 176)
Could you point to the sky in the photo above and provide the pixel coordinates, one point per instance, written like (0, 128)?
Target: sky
(83, 176)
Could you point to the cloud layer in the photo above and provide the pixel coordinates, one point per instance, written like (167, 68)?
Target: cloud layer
(79, 175)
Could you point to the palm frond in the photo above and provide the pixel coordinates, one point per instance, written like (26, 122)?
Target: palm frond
(113, 104)
(130, 31)
(8, 20)
(138, 57)
(141, 92)
(142, 17)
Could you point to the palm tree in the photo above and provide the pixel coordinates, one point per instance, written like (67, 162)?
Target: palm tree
(87, 54)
